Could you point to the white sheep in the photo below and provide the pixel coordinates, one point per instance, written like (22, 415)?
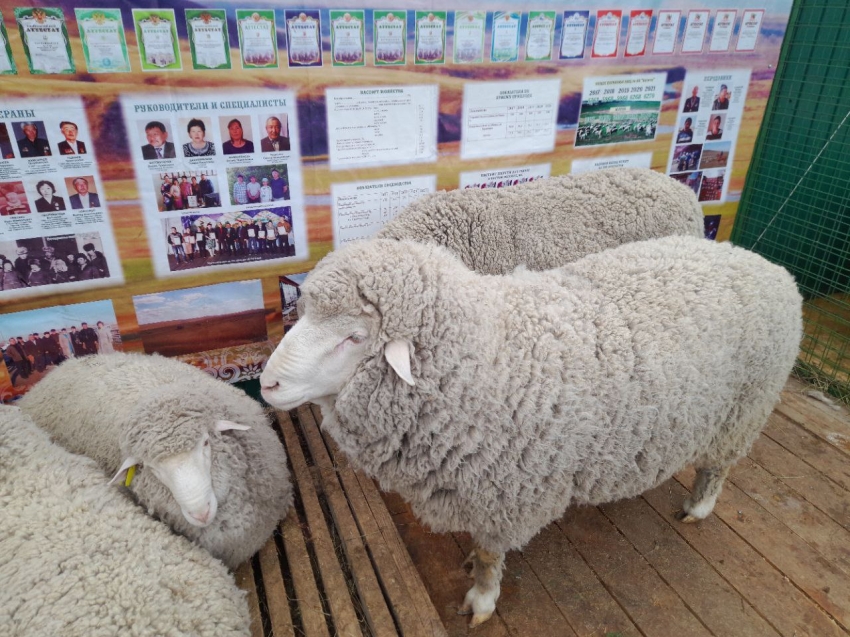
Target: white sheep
(491, 403)
(548, 223)
(81, 559)
(210, 465)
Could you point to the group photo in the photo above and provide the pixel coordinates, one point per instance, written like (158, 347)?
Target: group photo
(34, 342)
(614, 122)
(258, 184)
(186, 190)
(59, 259)
(196, 241)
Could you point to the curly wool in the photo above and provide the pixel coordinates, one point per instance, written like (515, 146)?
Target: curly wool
(587, 384)
(79, 559)
(148, 407)
(548, 223)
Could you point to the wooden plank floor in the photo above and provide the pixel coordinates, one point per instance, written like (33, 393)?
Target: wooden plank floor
(773, 559)
(337, 565)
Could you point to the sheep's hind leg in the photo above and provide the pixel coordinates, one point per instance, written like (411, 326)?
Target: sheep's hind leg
(481, 598)
(707, 486)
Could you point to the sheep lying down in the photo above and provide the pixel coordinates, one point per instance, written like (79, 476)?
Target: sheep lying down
(545, 224)
(203, 455)
(492, 403)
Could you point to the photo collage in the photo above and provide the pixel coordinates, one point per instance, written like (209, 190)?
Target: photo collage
(220, 182)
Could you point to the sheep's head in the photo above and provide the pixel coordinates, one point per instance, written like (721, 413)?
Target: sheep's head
(175, 441)
(362, 301)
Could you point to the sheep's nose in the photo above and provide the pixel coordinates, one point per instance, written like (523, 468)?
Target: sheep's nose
(203, 517)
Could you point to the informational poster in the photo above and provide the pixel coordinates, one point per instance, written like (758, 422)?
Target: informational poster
(156, 33)
(208, 38)
(469, 37)
(55, 232)
(382, 126)
(362, 208)
(102, 35)
(750, 29)
(304, 37)
(503, 177)
(45, 39)
(606, 37)
(390, 29)
(620, 108)
(257, 38)
(574, 34)
(540, 36)
(666, 32)
(695, 28)
(509, 118)
(721, 34)
(636, 160)
(348, 38)
(213, 194)
(7, 62)
(639, 21)
(430, 43)
(505, 41)
(708, 124)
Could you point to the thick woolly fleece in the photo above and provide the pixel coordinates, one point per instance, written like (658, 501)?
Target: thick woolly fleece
(546, 224)
(122, 405)
(586, 384)
(80, 559)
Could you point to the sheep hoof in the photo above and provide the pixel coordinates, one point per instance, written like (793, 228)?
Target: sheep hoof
(479, 618)
(686, 518)
(466, 609)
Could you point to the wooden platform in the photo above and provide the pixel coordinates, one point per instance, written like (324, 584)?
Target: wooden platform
(773, 559)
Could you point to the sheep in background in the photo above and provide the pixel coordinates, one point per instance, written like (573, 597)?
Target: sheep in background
(491, 403)
(211, 466)
(80, 559)
(548, 223)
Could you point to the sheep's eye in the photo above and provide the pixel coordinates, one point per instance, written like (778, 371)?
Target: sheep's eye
(356, 338)
(206, 443)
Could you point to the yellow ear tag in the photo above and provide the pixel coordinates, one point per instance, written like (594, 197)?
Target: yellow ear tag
(131, 472)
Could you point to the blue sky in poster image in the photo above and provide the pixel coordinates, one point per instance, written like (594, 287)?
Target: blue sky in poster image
(193, 303)
(55, 318)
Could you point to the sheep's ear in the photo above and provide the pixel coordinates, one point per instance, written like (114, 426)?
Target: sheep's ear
(226, 425)
(122, 472)
(397, 353)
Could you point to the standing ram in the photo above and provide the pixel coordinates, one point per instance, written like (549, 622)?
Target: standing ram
(492, 403)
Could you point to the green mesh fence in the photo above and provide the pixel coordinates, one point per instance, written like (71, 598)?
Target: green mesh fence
(795, 209)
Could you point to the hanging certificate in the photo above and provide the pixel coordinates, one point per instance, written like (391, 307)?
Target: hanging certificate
(208, 39)
(304, 38)
(540, 36)
(666, 31)
(469, 37)
(695, 31)
(750, 28)
(45, 39)
(7, 62)
(102, 35)
(257, 38)
(574, 34)
(505, 46)
(606, 40)
(721, 34)
(639, 20)
(156, 33)
(390, 31)
(348, 46)
(430, 37)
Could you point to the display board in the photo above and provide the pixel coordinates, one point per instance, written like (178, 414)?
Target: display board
(168, 174)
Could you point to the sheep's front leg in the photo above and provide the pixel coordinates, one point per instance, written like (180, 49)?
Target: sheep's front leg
(481, 598)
